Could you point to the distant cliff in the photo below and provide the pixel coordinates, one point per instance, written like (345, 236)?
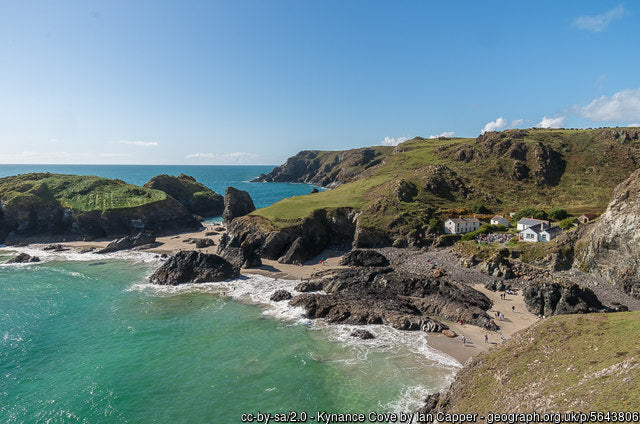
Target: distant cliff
(327, 169)
(42, 207)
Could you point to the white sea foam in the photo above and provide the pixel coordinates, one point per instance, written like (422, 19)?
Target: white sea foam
(74, 256)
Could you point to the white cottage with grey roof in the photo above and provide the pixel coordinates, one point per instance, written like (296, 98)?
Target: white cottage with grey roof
(525, 223)
(500, 220)
(461, 225)
(539, 232)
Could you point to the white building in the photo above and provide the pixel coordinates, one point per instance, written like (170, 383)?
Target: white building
(461, 225)
(500, 220)
(525, 223)
(539, 232)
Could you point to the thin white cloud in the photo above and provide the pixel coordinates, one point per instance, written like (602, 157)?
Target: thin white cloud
(139, 143)
(635, 124)
(517, 122)
(234, 157)
(444, 134)
(58, 157)
(621, 106)
(598, 23)
(496, 125)
(549, 122)
(393, 141)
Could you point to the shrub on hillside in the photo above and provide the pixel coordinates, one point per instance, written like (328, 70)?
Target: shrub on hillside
(567, 222)
(480, 209)
(530, 213)
(484, 229)
(557, 214)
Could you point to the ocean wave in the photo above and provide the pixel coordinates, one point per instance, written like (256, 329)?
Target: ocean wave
(73, 256)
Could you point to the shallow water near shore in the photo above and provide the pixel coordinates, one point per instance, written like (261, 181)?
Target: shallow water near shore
(89, 341)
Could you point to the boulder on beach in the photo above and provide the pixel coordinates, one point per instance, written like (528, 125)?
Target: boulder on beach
(194, 267)
(129, 242)
(363, 257)
(362, 334)
(280, 295)
(236, 203)
(23, 258)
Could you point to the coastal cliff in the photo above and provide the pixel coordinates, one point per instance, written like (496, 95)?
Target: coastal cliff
(54, 207)
(610, 249)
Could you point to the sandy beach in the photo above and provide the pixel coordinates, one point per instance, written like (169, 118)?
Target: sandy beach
(328, 261)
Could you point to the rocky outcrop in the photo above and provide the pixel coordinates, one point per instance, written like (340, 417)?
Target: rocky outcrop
(560, 298)
(129, 242)
(23, 258)
(196, 197)
(194, 267)
(360, 257)
(252, 236)
(236, 203)
(610, 248)
(404, 301)
(550, 165)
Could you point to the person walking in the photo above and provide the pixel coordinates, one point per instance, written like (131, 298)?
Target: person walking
(486, 338)
(464, 340)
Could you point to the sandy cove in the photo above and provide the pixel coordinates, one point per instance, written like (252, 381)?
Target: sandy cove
(414, 261)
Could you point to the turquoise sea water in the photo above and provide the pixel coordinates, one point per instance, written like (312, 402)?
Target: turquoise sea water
(83, 339)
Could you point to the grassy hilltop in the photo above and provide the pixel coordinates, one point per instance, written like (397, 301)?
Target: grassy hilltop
(79, 193)
(573, 169)
(564, 363)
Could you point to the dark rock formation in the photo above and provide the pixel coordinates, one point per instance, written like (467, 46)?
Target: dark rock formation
(294, 244)
(550, 165)
(406, 191)
(129, 242)
(557, 298)
(520, 171)
(194, 267)
(445, 183)
(309, 286)
(404, 301)
(55, 248)
(368, 258)
(202, 243)
(362, 334)
(314, 191)
(236, 203)
(280, 295)
(610, 248)
(243, 251)
(196, 197)
(23, 258)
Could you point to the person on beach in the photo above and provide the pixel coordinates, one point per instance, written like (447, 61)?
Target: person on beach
(464, 340)
(513, 309)
(486, 338)
(501, 337)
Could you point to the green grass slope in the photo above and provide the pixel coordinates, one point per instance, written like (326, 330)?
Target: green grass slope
(508, 170)
(80, 193)
(564, 363)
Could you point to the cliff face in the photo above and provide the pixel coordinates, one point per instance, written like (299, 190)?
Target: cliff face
(196, 197)
(612, 247)
(326, 169)
(51, 207)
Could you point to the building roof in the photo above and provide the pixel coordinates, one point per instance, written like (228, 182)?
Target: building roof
(531, 221)
(464, 219)
(497, 217)
(538, 228)
(588, 215)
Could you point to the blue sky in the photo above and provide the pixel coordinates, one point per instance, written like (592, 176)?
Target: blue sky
(253, 82)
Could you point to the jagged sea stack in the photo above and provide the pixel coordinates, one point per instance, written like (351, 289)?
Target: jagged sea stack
(236, 203)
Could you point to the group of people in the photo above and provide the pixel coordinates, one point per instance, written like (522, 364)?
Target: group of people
(487, 239)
